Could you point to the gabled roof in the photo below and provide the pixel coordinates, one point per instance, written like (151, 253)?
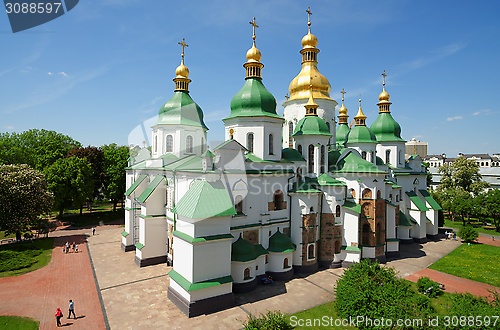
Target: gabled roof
(404, 221)
(326, 180)
(308, 185)
(432, 202)
(136, 184)
(351, 162)
(353, 206)
(417, 201)
(150, 188)
(191, 162)
(202, 201)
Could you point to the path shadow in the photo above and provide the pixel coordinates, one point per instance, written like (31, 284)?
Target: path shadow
(66, 324)
(260, 293)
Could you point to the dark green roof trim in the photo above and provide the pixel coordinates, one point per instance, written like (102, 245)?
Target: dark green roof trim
(181, 110)
(194, 240)
(270, 222)
(268, 171)
(350, 248)
(353, 206)
(188, 286)
(136, 184)
(395, 186)
(139, 246)
(125, 234)
(404, 221)
(246, 226)
(150, 188)
(417, 201)
(131, 208)
(432, 202)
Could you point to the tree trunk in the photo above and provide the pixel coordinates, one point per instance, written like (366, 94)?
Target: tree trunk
(114, 204)
(81, 209)
(61, 212)
(18, 235)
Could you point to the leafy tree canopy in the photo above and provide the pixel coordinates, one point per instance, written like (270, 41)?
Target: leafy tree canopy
(462, 173)
(115, 162)
(24, 197)
(95, 156)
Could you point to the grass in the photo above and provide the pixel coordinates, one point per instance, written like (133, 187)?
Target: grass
(475, 262)
(25, 257)
(325, 313)
(478, 225)
(18, 323)
(101, 212)
(2, 235)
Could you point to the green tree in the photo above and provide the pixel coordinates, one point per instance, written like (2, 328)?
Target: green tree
(95, 156)
(270, 321)
(37, 148)
(468, 234)
(24, 197)
(462, 173)
(492, 206)
(70, 180)
(115, 163)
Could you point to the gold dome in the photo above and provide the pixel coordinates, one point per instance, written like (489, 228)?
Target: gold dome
(181, 71)
(253, 54)
(384, 96)
(309, 41)
(309, 75)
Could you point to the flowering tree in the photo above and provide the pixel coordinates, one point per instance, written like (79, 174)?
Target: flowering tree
(23, 198)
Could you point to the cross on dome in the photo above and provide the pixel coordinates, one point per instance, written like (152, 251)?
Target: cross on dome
(254, 25)
(183, 45)
(309, 13)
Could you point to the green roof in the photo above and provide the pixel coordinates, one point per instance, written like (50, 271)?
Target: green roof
(308, 185)
(353, 206)
(207, 153)
(292, 155)
(279, 242)
(311, 125)
(404, 221)
(150, 188)
(253, 100)
(417, 201)
(188, 286)
(202, 239)
(189, 163)
(136, 184)
(326, 180)
(181, 110)
(341, 133)
(353, 163)
(361, 134)
(243, 251)
(202, 200)
(350, 248)
(432, 202)
(386, 129)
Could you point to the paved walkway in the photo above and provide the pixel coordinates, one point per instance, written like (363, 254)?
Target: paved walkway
(67, 276)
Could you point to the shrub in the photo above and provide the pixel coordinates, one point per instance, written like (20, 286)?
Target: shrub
(369, 291)
(428, 287)
(466, 306)
(468, 234)
(12, 260)
(270, 321)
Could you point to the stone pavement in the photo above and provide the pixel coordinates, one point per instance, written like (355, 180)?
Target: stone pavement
(136, 298)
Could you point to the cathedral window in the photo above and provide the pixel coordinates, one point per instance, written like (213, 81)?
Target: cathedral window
(367, 233)
(400, 159)
(310, 252)
(285, 263)
(311, 158)
(156, 144)
(169, 143)
(299, 148)
(250, 142)
(328, 125)
(189, 144)
(363, 154)
(290, 132)
(278, 201)
(238, 204)
(271, 144)
(322, 160)
(246, 274)
(379, 235)
(367, 193)
(337, 211)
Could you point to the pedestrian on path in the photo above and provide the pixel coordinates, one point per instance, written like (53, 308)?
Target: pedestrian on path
(67, 247)
(59, 314)
(93, 231)
(76, 248)
(71, 309)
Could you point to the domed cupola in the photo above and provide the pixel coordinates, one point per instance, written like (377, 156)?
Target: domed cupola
(181, 109)
(385, 128)
(343, 127)
(309, 74)
(253, 99)
(360, 133)
(311, 124)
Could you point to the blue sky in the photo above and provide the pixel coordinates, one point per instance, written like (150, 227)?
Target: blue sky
(107, 66)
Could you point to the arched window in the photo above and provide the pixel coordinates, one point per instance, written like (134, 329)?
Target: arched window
(366, 194)
(322, 160)
(387, 156)
(290, 132)
(363, 154)
(367, 233)
(189, 144)
(310, 252)
(299, 148)
(400, 158)
(285, 263)
(271, 144)
(156, 143)
(337, 246)
(328, 125)
(299, 174)
(250, 142)
(337, 211)
(246, 274)
(379, 194)
(278, 200)
(169, 143)
(311, 158)
(238, 204)
(379, 235)
(353, 193)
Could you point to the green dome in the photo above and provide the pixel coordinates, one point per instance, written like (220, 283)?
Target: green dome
(279, 242)
(253, 100)
(386, 129)
(361, 134)
(342, 131)
(292, 155)
(242, 250)
(311, 125)
(181, 110)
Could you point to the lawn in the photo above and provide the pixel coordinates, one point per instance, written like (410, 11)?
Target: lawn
(476, 262)
(101, 213)
(323, 316)
(25, 257)
(18, 323)
(476, 224)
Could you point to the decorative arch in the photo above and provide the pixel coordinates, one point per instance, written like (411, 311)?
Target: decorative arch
(238, 204)
(278, 200)
(246, 274)
(311, 251)
(353, 192)
(169, 143)
(387, 156)
(366, 234)
(322, 160)
(285, 263)
(337, 246)
(299, 148)
(310, 158)
(367, 193)
(250, 142)
(363, 155)
(290, 132)
(189, 144)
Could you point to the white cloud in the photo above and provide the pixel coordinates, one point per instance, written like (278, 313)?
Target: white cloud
(454, 118)
(482, 112)
(49, 73)
(64, 74)
(433, 56)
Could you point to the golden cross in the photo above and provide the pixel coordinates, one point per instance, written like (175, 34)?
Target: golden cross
(309, 13)
(383, 79)
(287, 97)
(342, 92)
(183, 44)
(254, 25)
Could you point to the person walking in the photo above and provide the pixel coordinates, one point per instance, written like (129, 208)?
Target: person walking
(71, 309)
(59, 315)
(93, 231)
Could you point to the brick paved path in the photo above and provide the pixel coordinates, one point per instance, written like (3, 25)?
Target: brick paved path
(67, 276)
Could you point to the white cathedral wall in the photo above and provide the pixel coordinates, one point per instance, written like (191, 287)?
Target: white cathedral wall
(210, 292)
(261, 264)
(179, 134)
(369, 148)
(350, 228)
(390, 229)
(238, 271)
(432, 215)
(127, 241)
(420, 229)
(211, 260)
(276, 261)
(212, 226)
(153, 234)
(183, 265)
(396, 156)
